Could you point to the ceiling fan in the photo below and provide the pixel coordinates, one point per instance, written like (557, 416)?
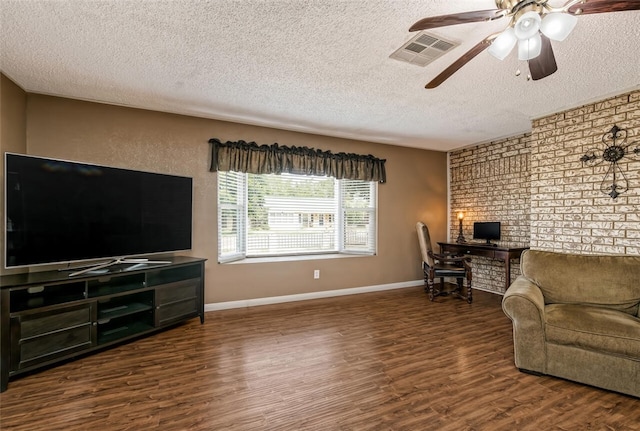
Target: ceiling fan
(532, 26)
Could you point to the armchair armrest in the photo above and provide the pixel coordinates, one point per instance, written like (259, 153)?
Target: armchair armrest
(448, 259)
(523, 303)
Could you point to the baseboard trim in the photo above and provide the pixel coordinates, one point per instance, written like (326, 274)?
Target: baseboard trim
(306, 296)
(489, 291)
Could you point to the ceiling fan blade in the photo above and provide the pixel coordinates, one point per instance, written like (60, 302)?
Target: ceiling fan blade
(457, 18)
(468, 56)
(544, 64)
(602, 6)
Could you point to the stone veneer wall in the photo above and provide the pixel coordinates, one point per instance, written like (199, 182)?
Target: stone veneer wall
(536, 185)
(569, 213)
(491, 182)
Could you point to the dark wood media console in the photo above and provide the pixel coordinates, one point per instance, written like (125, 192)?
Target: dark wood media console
(48, 317)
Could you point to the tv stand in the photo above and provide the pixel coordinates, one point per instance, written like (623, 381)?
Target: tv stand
(47, 317)
(122, 260)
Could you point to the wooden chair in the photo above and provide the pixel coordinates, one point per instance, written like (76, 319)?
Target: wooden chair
(443, 266)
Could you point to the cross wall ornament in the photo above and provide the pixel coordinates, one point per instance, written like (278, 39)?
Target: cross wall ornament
(615, 148)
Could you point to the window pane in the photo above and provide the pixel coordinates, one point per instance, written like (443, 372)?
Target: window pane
(263, 215)
(290, 214)
(231, 215)
(359, 211)
(230, 231)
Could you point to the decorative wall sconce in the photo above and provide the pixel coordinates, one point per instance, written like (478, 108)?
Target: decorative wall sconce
(460, 238)
(615, 148)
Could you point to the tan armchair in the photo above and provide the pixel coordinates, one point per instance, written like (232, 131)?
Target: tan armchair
(443, 266)
(578, 317)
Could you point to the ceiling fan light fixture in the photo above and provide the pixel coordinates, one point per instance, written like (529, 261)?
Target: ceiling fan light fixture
(530, 48)
(527, 25)
(503, 44)
(558, 25)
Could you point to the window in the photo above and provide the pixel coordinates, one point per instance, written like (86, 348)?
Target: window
(279, 215)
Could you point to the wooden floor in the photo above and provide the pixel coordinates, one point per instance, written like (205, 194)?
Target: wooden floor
(380, 361)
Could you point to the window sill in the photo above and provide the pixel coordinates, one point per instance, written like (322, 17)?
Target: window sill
(249, 260)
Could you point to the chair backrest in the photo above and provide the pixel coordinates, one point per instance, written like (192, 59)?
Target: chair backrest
(425, 242)
(604, 280)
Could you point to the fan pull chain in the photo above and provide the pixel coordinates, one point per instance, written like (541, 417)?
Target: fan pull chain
(528, 74)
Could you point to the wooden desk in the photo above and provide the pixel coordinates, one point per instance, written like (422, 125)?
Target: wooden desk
(493, 252)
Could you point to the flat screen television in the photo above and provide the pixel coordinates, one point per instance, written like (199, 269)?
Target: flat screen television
(60, 211)
(487, 231)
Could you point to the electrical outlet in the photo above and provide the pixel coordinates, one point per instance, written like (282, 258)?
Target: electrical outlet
(316, 274)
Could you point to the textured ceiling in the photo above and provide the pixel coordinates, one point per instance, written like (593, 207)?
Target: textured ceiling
(318, 66)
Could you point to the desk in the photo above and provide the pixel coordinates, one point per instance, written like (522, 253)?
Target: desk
(501, 253)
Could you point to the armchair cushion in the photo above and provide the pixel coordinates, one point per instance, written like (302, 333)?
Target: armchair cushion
(594, 328)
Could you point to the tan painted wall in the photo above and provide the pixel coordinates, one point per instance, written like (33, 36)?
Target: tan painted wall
(13, 120)
(160, 142)
(13, 136)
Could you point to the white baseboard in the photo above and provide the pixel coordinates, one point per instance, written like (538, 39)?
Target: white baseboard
(311, 295)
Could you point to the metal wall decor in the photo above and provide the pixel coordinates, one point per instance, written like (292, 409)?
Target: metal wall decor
(615, 148)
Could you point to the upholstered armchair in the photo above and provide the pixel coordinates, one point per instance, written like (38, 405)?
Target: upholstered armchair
(578, 317)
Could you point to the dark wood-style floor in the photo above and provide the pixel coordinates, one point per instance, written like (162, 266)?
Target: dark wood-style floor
(379, 361)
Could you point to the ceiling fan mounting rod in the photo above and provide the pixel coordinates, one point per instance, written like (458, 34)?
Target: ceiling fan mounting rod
(516, 6)
(568, 5)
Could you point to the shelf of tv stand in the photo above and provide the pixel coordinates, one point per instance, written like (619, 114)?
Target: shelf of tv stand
(48, 317)
(123, 331)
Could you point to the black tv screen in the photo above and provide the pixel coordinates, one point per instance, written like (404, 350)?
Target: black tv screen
(486, 230)
(60, 211)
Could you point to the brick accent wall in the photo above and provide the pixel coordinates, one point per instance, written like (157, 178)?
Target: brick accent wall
(569, 213)
(491, 182)
(536, 185)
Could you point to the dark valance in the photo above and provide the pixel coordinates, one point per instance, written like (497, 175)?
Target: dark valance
(252, 158)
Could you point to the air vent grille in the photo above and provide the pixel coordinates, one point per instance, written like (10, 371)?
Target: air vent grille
(443, 45)
(425, 39)
(416, 47)
(423, 49)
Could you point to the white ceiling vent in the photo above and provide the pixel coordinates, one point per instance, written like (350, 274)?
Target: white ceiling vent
(423, 49)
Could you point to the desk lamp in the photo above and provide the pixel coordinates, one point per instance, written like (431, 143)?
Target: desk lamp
(460, 239)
